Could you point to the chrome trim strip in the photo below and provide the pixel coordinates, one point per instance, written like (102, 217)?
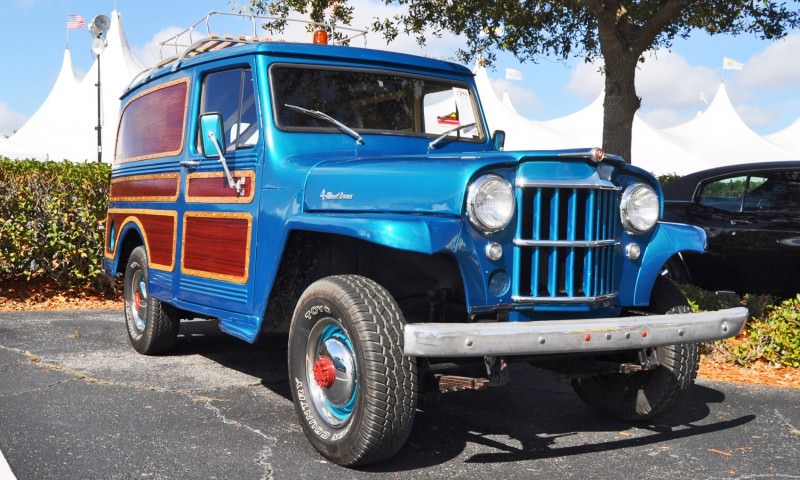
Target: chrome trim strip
(565, 243)
(569, 336)
(562, 300)
(592, 183)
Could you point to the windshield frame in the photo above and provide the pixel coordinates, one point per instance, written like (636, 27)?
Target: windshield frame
(473, 95)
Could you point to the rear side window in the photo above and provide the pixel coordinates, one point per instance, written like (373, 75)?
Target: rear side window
(231, 94)
(774, 192)
(152, 123)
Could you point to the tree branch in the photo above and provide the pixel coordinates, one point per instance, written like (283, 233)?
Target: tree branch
(669, 11)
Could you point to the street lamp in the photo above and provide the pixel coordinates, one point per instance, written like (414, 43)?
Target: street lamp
(98, 28)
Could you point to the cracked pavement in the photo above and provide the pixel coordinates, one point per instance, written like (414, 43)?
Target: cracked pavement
(77, 402)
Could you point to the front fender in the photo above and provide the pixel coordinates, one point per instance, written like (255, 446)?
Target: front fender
(667, 240)
(422, 234)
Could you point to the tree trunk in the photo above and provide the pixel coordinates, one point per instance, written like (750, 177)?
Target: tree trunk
(620, 104)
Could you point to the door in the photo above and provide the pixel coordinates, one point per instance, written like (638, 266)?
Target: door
(753, 226)
(218, 225)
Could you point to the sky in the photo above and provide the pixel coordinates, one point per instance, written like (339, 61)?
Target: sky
(674, 84)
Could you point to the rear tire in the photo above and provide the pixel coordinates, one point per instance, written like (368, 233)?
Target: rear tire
(647, 394)
(152, 325)
(354, 391)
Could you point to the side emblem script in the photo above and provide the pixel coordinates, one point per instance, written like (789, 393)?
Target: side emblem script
(335, 196)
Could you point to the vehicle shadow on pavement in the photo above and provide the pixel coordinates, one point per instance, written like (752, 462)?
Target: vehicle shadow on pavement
(265, 359)
(536, 416)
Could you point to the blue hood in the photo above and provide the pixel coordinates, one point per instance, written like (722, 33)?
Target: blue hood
(407, 184)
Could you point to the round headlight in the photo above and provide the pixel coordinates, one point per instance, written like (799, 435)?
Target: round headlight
(639, 208)
(490, 203)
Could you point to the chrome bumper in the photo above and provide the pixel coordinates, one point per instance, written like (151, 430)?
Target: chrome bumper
(570, 336)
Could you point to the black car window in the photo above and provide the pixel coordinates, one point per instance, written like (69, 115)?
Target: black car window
(725, 194)
(777, 192)
(231, 94)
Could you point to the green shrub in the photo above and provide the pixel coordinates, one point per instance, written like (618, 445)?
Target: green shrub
(667, 177)
(52, 220)
(771, 334)
(775, 339)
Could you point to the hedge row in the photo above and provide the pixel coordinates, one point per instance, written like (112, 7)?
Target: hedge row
(52, 220)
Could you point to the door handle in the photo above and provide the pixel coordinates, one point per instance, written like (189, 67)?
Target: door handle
(189, 163)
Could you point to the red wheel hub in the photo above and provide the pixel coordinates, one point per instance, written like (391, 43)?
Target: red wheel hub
(324, 372)
(137, 300)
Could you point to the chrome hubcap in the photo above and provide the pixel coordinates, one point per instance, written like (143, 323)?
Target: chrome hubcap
(331, 372)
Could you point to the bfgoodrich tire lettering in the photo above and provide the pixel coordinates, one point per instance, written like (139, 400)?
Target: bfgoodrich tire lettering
(647, 394)
(354, 391)
(152, 325)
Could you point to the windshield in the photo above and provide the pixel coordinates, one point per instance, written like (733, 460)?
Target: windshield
(375, 102)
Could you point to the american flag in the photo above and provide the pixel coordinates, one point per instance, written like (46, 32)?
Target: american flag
(75, 21)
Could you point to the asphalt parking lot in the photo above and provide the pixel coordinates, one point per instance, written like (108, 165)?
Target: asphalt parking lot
(77, 402)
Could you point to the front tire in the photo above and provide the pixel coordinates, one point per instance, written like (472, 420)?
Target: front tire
(651, 393)
(354, 391)
(152, 325)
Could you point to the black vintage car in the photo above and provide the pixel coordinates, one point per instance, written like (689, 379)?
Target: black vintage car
(751, 215)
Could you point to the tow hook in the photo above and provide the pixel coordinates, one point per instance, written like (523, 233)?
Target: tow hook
(648, 360)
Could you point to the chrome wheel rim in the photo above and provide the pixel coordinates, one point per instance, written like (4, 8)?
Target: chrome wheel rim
(138, 301)
(331, 372)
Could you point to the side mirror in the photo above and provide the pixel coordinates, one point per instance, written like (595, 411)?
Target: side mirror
(212, 135)
(499, 140)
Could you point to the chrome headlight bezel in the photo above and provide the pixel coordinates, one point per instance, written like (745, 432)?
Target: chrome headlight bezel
(495, 214)
(639, 208)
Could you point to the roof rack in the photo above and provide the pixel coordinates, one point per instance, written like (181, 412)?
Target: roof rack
(185, 46)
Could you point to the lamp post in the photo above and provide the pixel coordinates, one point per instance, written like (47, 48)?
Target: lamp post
(98, 28)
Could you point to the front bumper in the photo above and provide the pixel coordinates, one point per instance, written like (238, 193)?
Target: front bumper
(570, 336)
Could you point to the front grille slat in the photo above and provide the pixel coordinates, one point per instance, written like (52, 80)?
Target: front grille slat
(568, 242)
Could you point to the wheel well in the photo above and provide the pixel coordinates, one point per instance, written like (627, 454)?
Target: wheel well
(677, 270)
(131, 241)
(427, 287)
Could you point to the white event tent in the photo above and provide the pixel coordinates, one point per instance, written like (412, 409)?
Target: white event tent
(720, 137)
(581, 129)
(788, 139)
(64, 125)
(521, 133)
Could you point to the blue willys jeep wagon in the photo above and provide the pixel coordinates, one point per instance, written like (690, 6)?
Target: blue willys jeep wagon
(357, 200)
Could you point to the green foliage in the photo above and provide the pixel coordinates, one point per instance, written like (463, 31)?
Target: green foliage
(52, 220)
(775, 339)
(771, 334)
(667, 178)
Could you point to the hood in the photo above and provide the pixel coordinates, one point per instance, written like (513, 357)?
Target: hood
(405, 184)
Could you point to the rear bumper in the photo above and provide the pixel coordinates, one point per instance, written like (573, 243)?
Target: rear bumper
(570, 336)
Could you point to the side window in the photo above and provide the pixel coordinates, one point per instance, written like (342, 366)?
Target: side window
(231, 94)
(152, 123)
(778, 192)
(725, 194)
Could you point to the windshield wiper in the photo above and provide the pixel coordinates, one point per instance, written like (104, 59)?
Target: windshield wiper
(436, 141)
(324, 116)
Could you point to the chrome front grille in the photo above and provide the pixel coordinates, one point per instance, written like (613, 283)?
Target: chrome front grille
(567, 236)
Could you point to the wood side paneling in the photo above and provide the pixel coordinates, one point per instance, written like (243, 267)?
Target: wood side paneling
(217, 245)
(212, 187)
(159, 232)
(150, 188)
(152, 123)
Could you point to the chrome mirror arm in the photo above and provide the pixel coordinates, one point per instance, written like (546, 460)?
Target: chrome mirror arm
(237, 184)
